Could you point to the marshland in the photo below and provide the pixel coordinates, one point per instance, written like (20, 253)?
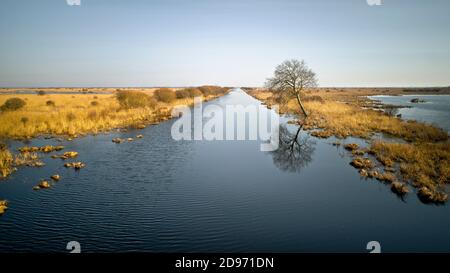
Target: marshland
(412, 152)
(165, 187)
(70, 116)
(358, 98)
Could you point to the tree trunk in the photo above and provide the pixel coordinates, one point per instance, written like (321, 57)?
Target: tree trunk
(301, 105)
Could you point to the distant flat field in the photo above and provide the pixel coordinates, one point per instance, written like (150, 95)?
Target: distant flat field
(389, 91)
(360, 91)
(148, 90)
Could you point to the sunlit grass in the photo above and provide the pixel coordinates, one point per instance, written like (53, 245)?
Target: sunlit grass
(423, 159)
(343, 120)
(423, 164)
(418, 159)
(6, 162)
(73, 115)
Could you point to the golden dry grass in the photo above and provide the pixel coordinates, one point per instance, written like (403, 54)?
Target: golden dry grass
(343, 120)
(419, 162)
(424, 165)
(357, 93)
(423, 161)
(72, 115)
(75, 114)
(6, 163)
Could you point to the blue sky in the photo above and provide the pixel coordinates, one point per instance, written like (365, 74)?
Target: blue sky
(233, 42)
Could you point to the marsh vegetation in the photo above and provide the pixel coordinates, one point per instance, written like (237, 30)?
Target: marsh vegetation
(417, 154)
(25, 116)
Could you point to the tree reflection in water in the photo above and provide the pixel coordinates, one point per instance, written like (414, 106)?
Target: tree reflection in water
(294, 152)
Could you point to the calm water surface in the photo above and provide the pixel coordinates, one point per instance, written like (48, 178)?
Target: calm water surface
(435, 109)
(157, 194)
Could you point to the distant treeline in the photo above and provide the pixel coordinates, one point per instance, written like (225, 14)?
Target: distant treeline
(191, 92)
(135, 99)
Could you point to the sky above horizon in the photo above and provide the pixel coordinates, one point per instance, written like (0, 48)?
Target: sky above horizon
(49, 43)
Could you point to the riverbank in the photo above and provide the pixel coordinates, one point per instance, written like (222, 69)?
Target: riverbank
(68, 116)
(416, 154)
(74, 115)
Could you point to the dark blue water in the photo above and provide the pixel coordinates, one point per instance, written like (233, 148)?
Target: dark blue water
(160, 195)
(435, 109)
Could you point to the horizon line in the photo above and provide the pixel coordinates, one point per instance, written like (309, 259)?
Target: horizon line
(246, 86)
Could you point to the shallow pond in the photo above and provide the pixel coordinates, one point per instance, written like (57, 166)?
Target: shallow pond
(434, 109)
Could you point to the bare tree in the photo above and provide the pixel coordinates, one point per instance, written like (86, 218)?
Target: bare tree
(290, 79)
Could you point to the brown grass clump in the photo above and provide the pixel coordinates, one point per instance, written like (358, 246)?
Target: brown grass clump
(322, 133)
(188, 93)
(426, 165)
(165, 95)
(132, 99)
(359, 151)
(362, 163)
(420, 162)
(182, 94)
(192, 92)
(3, 206)
(399, 188)
(42, 149)
(6, 161)
(388, 177)
(75, 165)
(428, 195)
(13, 104)
(28, 159)
(351, 146)
(211, 90)
(313, 98)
